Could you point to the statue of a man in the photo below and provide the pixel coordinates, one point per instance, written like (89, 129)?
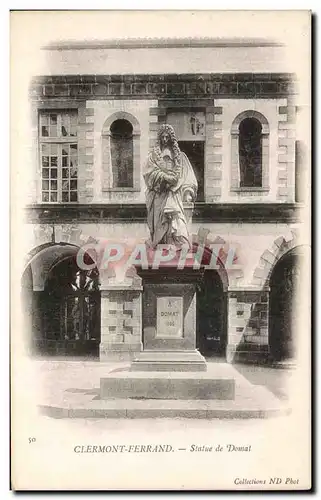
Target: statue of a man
(170, 180)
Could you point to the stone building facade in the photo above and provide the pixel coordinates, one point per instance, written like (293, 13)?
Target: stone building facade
(95, 113)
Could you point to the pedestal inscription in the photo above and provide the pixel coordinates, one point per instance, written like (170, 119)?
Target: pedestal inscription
(169, 317)
(169, 322)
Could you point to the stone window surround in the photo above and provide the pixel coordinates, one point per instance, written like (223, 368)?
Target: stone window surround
(212, 151)
(43, 108)
(235, 169)
(60, 141)
(106, 157)
(84, 160)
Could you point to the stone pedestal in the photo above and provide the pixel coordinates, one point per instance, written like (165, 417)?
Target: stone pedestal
(169, 368)
(169, 322)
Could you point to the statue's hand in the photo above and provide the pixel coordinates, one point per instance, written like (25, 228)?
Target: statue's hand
(189, 195)
(171, 179)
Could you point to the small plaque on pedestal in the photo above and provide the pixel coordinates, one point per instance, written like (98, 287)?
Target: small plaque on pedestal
(169, 317)
(169, 323)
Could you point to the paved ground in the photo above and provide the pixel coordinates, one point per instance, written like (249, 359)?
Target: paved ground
(74, 384)
(62, 374)
(52, 450)
(274, 379)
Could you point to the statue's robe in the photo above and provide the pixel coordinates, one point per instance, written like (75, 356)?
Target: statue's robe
(164, 198)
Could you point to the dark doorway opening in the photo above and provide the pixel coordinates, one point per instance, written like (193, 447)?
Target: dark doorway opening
(194, 150)
(211, 336)
(65, 317)
(282, 306)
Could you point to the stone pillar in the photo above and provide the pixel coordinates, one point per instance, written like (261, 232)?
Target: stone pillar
(121, 322)
(248, 337)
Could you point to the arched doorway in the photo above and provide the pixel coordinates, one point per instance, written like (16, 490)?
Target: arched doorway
(66, 313)
(211, 315)
(282, 305)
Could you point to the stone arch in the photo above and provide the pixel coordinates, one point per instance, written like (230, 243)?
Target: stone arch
(50, 308)
(271, 256)
(121, 115)
(44, 258)
(30, 255)
(229, 277)
(250, 113)
(46, 235)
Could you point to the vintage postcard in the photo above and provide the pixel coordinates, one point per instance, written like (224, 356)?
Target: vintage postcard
(160, 238)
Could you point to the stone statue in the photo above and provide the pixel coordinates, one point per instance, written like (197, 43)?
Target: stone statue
(170, 181)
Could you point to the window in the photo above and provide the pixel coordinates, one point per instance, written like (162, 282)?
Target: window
(120, 141)
(59, 156)
(250, 153)
(121, 150)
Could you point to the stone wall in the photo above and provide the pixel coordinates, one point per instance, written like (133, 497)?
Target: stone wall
(121, 323)
(137, 112)
(269, 110)
(286, 152)
(253, 243)
(146, 99)
(248, 312)
(258, 249)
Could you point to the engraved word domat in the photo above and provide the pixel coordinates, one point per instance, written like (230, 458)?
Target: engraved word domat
(169, 317)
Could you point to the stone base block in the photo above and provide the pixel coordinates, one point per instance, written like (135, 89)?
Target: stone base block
(169, 361)
(166, 385)
(119, 351)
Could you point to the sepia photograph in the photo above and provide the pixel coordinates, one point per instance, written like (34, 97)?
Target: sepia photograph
(160, 250)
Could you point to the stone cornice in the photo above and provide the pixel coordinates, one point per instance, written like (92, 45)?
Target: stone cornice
(136, 212)
(153, 86)
(156, 43)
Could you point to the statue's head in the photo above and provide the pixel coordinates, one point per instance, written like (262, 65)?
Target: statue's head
(166, 138)
(166, 135)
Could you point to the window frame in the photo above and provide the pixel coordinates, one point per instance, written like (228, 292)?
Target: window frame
(107, 168)
(235, 180)
(253, 141)
(59, 141)
(117, 146)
